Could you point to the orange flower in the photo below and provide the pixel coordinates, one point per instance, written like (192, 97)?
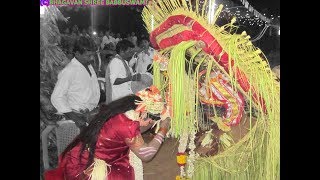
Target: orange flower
(154, 90)
(181, 159)
(156, 58)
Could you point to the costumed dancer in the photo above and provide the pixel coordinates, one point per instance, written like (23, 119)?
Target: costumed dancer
(214, 80)
(101, 150)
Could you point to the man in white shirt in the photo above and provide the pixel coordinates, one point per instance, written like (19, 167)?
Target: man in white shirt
(77, 89)
(107, 40)
(144, 58)
(119, 74)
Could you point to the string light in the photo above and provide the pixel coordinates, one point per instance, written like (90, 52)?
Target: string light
(250, 17)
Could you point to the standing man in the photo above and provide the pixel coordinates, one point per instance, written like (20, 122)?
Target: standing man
(134, 39)
(107, 40)
(118, 73)
(77, 92)
(144, 58)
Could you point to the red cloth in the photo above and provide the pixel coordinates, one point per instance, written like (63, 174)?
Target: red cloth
(55, 174)
(110, 147)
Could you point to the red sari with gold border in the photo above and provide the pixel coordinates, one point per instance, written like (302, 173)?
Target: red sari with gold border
(110, 147)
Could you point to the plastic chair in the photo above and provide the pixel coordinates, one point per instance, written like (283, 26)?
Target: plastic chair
(66, 131)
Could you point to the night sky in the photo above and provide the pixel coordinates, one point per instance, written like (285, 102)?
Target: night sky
(124, 19)
(265, 6)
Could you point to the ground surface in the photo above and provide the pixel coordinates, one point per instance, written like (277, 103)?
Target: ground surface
(164, 165)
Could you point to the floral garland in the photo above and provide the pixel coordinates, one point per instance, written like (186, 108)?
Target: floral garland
(181, 156)
(192, 155)
(162, 60)
(186, 172)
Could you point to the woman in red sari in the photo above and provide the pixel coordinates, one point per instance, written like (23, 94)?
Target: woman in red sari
(101, 150)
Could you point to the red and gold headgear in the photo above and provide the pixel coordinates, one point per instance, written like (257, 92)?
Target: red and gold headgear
(151, 101)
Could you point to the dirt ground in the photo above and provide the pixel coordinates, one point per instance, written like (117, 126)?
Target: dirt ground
(163, 166)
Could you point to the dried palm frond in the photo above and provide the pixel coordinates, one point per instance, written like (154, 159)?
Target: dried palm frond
(51, 54)
(256, 155)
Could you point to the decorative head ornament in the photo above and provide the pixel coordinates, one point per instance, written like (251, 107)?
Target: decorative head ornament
(151, 101)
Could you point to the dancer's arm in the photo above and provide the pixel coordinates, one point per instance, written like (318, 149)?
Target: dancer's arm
(145, 128)
(146, 151)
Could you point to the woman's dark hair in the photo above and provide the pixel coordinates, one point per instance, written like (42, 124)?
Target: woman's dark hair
(123, 45)
(150, 69)
(89, 135)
